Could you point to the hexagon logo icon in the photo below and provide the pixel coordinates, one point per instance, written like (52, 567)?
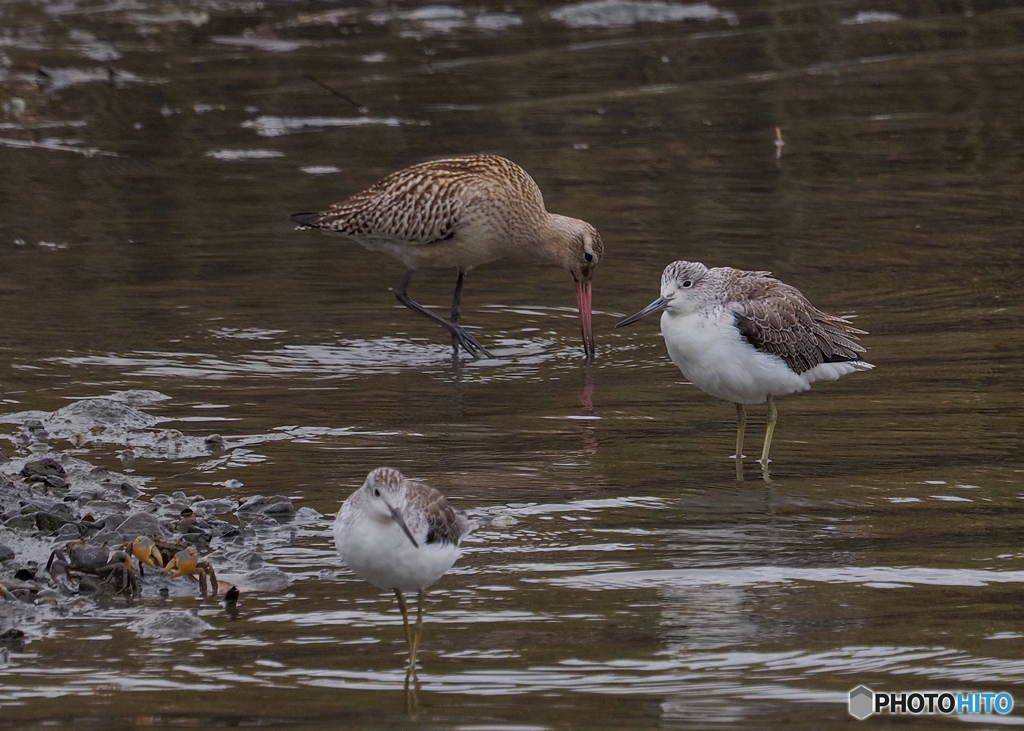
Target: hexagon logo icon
(862, 702)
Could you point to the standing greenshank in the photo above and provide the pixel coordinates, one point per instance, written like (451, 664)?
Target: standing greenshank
(746, 337)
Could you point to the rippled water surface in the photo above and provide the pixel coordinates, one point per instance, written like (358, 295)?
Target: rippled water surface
(149, 155)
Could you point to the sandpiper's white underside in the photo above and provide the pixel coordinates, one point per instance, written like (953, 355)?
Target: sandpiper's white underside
(378, 551)
(714, 356)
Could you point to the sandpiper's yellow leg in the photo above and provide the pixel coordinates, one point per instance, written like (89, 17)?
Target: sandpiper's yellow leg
(419, 626)
(741, 425)
(405, 623)
(773, 416)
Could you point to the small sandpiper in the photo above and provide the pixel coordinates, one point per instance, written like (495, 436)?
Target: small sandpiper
(460, 213)
(746, 337)
(400, 535)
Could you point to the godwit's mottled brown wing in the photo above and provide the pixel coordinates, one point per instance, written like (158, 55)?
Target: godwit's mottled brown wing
(423, 204)
(776, 318)
(444, 525)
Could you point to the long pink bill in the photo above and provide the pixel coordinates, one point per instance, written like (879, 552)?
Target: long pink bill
(586, 322)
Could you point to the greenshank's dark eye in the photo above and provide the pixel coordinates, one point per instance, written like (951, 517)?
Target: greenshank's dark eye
(687, 283)
(588, 257)
(376, 492)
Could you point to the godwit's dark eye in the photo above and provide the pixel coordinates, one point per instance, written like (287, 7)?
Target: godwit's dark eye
(376, 492)
(588, 257)
(687, 283)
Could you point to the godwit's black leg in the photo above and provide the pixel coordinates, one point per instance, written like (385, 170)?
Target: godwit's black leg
(459, 334)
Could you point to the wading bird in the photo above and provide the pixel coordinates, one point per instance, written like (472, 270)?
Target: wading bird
(460, 213)
(399, 535)
(746, 337)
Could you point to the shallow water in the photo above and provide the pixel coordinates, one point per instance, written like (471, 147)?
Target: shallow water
(145, 182)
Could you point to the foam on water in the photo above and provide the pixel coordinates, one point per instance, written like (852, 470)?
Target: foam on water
(878, 576)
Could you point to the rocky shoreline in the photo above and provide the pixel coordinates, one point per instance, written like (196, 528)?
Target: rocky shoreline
(54, 498)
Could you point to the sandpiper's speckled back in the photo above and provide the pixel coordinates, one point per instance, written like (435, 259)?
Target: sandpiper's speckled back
(773, 316)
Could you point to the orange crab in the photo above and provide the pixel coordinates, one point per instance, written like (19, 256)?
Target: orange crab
(187, 563)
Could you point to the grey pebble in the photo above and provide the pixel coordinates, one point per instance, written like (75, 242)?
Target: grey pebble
(274, 505)
(21, 522)
(142, 524)
(106, 538)
(50, 522)
(267, 578)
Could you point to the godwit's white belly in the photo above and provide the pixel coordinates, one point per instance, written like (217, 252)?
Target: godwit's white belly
(482, 236)
(454, 253)
(715, 357)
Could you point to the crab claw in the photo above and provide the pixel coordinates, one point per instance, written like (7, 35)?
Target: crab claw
(184, 563)
(147, 552)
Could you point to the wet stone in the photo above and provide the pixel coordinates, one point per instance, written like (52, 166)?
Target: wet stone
(249, 560)
(215, 443)
(49, 522)
(170, 625)
(106, 538)
(6, 554)
(56, 508)
(35, 429)
(71, 531)
(111, 521)
(13, 639)
(142, 524)
(86, 496)
(267, 578)
(226, 530)
(21, 522)
(123, 487)
(217, 506)
(199, 539)
(275, 506)
(102, 507)
(43, 468)
(34, 506)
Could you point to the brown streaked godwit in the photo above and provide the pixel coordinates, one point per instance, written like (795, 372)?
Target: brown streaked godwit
(401, 535)
(746, 337)
(460, 213)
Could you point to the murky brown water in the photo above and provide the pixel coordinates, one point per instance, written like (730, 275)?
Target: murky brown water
(145, 183)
